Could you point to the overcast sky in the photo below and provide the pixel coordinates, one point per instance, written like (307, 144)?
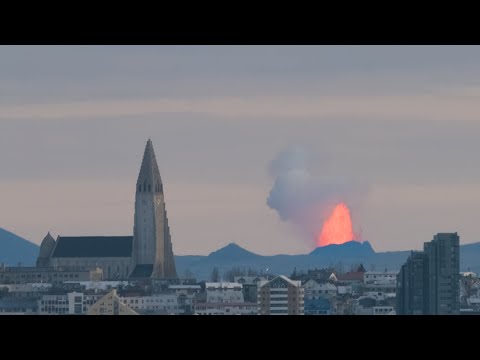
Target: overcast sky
(74, 121)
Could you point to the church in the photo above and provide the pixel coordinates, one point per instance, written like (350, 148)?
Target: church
(146, 254)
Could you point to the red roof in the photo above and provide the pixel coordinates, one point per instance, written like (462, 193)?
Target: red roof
(351, 276)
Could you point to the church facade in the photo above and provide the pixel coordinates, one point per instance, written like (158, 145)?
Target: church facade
(146, 254)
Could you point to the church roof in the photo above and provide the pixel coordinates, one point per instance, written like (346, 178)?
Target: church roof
(93, 246)
(149, 179)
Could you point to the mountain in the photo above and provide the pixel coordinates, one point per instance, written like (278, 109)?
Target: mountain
(346, 254)
(470, 257)
(348, 249)
(14, 249)
(232, 252)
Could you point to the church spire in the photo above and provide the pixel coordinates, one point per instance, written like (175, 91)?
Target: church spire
(149, 179)
(153, 253)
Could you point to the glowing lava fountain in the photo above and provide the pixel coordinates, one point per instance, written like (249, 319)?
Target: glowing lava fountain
(337, 228)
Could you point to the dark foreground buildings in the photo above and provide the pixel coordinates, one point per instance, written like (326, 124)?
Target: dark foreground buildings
(428, 283)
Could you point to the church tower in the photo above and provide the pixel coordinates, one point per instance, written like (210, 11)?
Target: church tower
(46, 250)
(152, 246)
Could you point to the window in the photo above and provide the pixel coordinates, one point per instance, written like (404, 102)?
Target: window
(78, 309)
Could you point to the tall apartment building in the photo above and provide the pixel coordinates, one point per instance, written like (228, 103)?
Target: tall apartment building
(280, 296)
(443, 255)
(412, 285)
(428, 283)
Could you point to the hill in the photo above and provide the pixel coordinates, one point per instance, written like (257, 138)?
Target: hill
(14, 249)
(346, 254)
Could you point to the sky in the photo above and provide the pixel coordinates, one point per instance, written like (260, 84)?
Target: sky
(74, 121)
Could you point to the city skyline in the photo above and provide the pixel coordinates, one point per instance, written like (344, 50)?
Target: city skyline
(401, 120)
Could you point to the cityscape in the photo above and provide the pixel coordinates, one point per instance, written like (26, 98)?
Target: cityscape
(136, 275)
(302, 181)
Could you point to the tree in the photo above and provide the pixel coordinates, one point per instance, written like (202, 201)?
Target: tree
(188, 274)
(215, 277)
(339, 268)
(252, 272)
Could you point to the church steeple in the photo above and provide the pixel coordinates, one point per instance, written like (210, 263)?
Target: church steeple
(153, 253)
(149, 179)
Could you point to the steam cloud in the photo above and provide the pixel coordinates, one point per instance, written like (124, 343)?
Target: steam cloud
(304, 199)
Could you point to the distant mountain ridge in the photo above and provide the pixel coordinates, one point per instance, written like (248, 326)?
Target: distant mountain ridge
(346, 254)
(15, 249)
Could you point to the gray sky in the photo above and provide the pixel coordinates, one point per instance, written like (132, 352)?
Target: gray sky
(74, 121)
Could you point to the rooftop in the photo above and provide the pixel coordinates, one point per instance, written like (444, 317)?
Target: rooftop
(93, 246)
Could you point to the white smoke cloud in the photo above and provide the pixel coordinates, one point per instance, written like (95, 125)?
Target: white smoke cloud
(305, 199)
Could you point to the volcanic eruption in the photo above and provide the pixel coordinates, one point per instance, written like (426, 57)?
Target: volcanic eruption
(337, 228)
(315, 202)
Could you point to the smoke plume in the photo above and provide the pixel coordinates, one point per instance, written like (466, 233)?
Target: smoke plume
(304, 198)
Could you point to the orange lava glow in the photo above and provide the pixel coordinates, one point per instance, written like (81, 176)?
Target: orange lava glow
(337, 228)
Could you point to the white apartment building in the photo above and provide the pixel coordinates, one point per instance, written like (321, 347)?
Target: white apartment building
(157, 303)
(224, 292)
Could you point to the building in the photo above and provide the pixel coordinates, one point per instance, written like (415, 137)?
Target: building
(186, 296)
(224, 298)
(15, 306)
(146, 254)
(110, 304)
(224, 292)
(352, 278)
(412, 288)
(73, 303)
(249, 286)
(380, 283)
(25, 291)
(52, 275)
(380, 277)
(226, 309)
(443, 274)
(383, 310)
(428, 283)
(319, 275)
(280, 296)
(318, 297)
(313, 289)
(164, 304)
